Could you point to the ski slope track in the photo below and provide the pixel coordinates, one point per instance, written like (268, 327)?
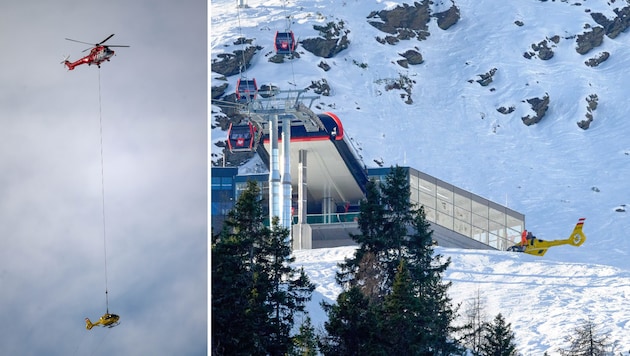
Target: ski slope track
(554, 171)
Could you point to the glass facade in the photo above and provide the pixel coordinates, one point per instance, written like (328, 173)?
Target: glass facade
(465, 213)
(226, 187)
(221, 195)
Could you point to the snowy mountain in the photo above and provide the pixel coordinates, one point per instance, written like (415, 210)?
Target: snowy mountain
(520, 102)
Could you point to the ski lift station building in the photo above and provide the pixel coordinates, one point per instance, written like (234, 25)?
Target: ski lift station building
(328, 184)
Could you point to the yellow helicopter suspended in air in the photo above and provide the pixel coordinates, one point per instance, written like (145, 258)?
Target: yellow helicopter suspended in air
(107, 320)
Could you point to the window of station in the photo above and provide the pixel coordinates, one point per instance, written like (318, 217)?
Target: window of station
(462, 227)
(480, 222)
(480, 209)
(426, 187)
(415, 189)
(444, 201)
(444, 213)
(222, 202)
(426, 200)
(494, 241)
(221, 183)
(426, 197)
(480, 234)
(463, 215)
(462, 207)
(515, 227)
(445, 194)
(497, 235)
(429, 214)
(498, 216)
(445, 220)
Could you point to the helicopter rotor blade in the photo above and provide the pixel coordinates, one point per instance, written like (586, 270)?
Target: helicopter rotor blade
(69, 39)
(96, 44)
(105, 40)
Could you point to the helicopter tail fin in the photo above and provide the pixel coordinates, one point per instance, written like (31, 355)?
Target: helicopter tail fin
(88, 324)
(577, 236)
(67, 63)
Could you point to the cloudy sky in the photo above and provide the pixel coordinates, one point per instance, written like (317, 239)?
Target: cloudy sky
(154, 121)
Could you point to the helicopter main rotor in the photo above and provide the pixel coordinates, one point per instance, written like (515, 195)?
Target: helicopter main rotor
(97, 44)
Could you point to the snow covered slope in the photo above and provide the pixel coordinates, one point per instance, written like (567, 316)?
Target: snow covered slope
(543, 299)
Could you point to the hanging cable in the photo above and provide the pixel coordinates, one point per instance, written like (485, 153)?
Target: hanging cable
(100, 120)
(288, 29)
(241, 67)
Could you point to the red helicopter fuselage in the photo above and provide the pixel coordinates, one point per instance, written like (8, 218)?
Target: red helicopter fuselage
(98, 55)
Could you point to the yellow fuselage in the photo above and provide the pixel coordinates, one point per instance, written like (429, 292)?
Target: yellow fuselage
(538, 247)
(105, 320)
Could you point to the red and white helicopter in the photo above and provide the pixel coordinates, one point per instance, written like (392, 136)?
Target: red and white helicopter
(98, 54)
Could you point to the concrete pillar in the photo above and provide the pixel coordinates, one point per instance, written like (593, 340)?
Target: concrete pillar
(302, 187)
(274, 176)
(302, 233)
(286, 205)
(327, 205)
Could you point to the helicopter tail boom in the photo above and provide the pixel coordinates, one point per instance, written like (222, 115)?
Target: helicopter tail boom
(65, 61)
(88, 324)
(69, 64)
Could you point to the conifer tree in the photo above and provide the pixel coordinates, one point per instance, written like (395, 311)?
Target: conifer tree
(371, 239)
(385, 217)
(305, 342)
(289, 288)
(351, 325)
(498, 339)
(369, 277)
(255, 290)
(393, 230)
(401, 317)
(426, 269)
(238, 309)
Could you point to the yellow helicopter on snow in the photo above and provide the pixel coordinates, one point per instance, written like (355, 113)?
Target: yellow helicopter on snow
(107, 320)
(537, 247)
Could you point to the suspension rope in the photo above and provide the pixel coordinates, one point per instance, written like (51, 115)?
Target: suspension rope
(241, 68)
(288, 29)
(287, 17)
(100, 120)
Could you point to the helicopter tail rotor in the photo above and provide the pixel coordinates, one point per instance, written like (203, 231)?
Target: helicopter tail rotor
(67, 63)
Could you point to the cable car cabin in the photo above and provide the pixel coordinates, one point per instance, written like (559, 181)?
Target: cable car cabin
(285, 42)
(246, 89)
(241, 138)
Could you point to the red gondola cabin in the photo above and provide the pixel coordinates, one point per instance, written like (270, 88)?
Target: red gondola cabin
(285, 42)
(241, 138)
(246, 89)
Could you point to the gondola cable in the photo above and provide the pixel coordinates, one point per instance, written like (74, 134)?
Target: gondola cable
(288, 28)
(242, 69)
